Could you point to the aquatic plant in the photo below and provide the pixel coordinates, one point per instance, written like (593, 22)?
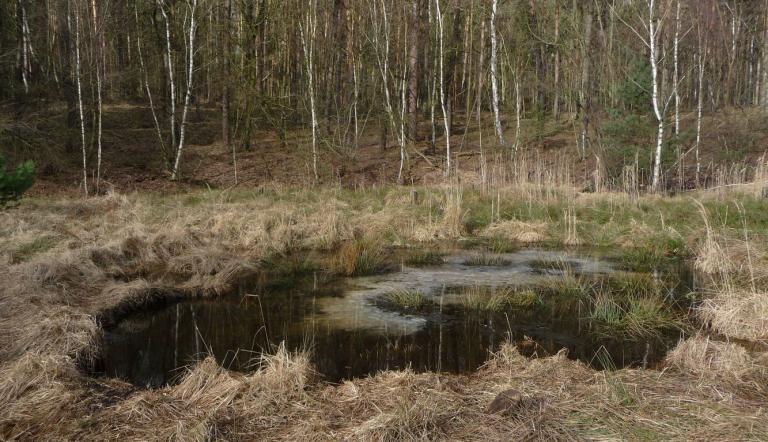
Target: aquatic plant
(424, 257)
(498, 299)
(486, 260)
(361, 257)
(411, 300)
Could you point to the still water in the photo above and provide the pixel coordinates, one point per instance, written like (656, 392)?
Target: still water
(349, 333)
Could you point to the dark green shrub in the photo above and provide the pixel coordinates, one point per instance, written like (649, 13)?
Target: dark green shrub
(13, 184)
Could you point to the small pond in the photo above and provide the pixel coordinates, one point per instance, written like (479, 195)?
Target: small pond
(352, 329)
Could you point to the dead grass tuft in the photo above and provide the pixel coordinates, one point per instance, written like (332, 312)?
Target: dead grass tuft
(739, 313)
(527, 233)
(728, 365)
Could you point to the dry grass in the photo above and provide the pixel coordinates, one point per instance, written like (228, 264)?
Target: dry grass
(740, 313)
(116, 253)
(727, 368)
(526, 233)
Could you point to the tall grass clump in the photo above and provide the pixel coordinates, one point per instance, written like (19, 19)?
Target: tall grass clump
(637, 315)
(361, 257)
(425, 257)
(497, 299)
(409, 300)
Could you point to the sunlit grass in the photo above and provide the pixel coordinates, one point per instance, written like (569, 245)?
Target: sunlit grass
(360, 258)
(497, 299)
(409, 300)
(424, 257)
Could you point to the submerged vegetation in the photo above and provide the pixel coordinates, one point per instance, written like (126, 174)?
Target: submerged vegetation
(486, 260)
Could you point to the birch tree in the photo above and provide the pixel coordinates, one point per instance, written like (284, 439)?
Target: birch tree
(169, 66)
(192, 4)
(443, 105)
(654, 26)
(494, 75)
(676, 74)
(78, 80)
(98, 45)
(307, 29)
(764, 82)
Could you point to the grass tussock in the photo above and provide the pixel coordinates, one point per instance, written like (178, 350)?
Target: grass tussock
(520, 231)
(723, 365)
(408, 300)
(498, 299)
(737, 312)
(360, 258)
(424, 257)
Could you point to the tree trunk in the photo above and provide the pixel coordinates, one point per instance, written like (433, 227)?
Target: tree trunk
(78, 81)
(764, 82)
(225, 67)
(676, 75)
(190, 69)
(585, 95)
(413, 70)
(169, 65)
(494, 75)
(653, 33)
(443, 106)
(308, 43)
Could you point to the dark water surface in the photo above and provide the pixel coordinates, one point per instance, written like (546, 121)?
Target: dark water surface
(349, 333)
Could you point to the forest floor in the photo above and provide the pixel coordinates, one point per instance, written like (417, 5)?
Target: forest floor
(67, 264)
(733, 142)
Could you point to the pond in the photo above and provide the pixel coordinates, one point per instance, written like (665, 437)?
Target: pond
(551, 300)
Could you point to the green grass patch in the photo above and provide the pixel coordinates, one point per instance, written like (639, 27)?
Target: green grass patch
(496, 300)
(424, 257)
(408, 300)
(26, 251)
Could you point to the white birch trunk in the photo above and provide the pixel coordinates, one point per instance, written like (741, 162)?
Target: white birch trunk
(357, 95)
(383, 62)
(403, 110)
(446, 122)
(308, 44)
(169, 65)
(24, 48)
(657, 108)
(80, 100)
(699, 109)
(676, 73)
(188, 95)
(494, 74)
(764, 81)
(518, 112)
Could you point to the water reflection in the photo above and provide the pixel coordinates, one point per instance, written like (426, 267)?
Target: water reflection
(350, 334)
